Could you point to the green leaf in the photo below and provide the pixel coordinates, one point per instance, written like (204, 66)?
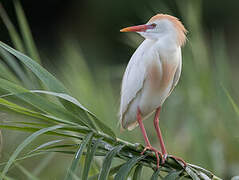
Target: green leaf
(33, 129)
(89, 158)
(172, 175)
(155, 174)
(6, 177)
(75, 177)
(26, 32)
(24, 111)
(11, 61)
(11, 30)
(64, 97)
(24, 157)
(191, 173)
(43, 164)
(77, 157)
(46, 144)
(112, 172)
(18, 44)
(77, 107)
(40, 125)
(27, 141)
(20, 109)
(71, 146)
(202, 170)
(234, 105)
(58, 151)
(125, 169)
(6, 73)
(48, 79)
(40, 102)
(26, 172)
(137, 172)
(104, 171)
(103, 127)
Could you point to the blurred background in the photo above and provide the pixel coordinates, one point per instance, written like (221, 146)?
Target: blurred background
(80, 43)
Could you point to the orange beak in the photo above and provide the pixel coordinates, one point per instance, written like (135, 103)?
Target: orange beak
(139, 28)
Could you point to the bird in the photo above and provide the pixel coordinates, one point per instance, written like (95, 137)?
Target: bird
(151, 75)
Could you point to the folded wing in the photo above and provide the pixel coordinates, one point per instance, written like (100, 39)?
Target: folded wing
(134, 77)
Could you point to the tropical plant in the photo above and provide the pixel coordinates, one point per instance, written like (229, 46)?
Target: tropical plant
(69, 119)
(47, 107)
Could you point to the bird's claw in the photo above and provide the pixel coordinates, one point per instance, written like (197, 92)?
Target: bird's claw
(145, 149)
(163, 157)
(157, 154)
(178, 159)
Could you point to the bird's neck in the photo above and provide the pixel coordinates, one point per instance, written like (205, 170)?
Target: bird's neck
(165, 45)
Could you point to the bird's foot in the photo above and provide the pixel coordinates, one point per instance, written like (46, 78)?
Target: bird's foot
(162, 156)
(177, 159)
(157, 153)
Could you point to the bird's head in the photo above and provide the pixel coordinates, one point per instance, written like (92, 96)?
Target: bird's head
(159, 26)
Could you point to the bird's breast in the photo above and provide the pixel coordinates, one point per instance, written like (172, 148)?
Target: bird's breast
(168, 74)
(154, 75)
(160, 74)
(157, 85)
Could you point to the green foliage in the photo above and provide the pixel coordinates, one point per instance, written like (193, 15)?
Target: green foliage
(45, 106)
(115, 148)
(105, 169)
(89, 157)
(24, 144)
(124, 171)
(26, 32)
(79, 152)
(137, 172)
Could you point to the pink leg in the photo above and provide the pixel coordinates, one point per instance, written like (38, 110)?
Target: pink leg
(146, 140)
(141, 125)
(159, 134)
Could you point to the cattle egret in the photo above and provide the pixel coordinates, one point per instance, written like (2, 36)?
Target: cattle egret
(152, 73)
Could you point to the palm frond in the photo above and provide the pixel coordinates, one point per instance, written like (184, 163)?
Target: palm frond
(98, 142)
(95, 150)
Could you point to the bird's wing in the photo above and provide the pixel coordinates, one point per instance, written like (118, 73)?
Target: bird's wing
(176, 75)
(134, 77)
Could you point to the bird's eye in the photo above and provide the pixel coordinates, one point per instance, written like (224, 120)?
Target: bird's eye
(153, 25)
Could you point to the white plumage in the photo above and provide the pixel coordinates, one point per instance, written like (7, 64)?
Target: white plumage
(153, 70)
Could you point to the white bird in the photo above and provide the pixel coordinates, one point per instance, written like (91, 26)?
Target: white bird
(152, 73)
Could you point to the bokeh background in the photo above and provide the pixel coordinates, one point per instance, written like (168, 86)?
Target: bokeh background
(80, 43)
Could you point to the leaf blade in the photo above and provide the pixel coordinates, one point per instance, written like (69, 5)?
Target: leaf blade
(191, 173)
(75, 103)
(72, 169)
(40, 103)
(125, 169)
(26, 172)
(6, 73)
(26, 32)
(27, 141)
(173, 175)
(155, 174)
(11, 30)
(11, 61)
(76, 107)
(46, 144)
(47, 78)
(105, 169)
(137, 172)
(89, 158)
(233, 103)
